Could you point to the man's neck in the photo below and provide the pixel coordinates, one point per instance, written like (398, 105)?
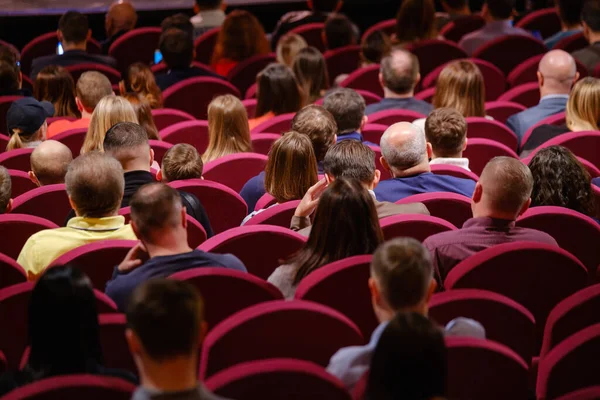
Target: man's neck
(175, 375)
(457, 155)
(86, 114)
(571, 27)
(74, 46)
(388, 315)
(388, 94)
(416, 170)
(170, 244)
(136, 166)
(545, 91)
(485, 212)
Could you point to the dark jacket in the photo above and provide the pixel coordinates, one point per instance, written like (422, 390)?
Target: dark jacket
(71, 57)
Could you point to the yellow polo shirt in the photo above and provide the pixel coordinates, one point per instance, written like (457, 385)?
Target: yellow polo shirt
(46, 246)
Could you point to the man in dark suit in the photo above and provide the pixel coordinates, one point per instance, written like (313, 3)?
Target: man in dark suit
(352, 159)
(73, 32)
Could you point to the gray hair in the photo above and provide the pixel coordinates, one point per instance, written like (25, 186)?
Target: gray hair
(407, 154)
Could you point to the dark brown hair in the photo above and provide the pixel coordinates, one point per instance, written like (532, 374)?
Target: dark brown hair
(140, 80)
(144, 114)
(350, 159)
(347, 107)
(155, 206)
(374, 47)
(320, 127)
(311, 72)
(55, 84)
(241, 36)
(446, 130)
(182, 161)
(415, 21)
(278, 91)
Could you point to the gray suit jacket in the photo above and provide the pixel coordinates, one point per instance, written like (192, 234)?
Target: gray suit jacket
(521, 122)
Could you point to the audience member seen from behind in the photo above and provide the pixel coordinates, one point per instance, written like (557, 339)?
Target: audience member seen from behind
(110, 111)
(291, 169)
(165, 329)
(94, 184)
(63, 331)
(557, 73)
(91, 87)
(348, 110)
(402, 281)
(310, 70)
(140, 80)
(446, 133)
(178, 21)
(410, 360)
(227, 128)
(406, 153)
(177, 49)
(339, 32)
(398, 77)
(73, 33)
(277, 93)
(5, 191)
(55, 84)
(158, 219)
(26, 122)
(181, 161)
(582, 114)
(590, 56)
(344, 209)
(11, 78)
(49, 163)
(559, 179)
(209, 14)
(144, 114)
(242, 36)
(287, 48)
(374, 47)
(120, 19)
(502, 194)
(415, 22)
(569, 12)
(316, 123)
(498, 22)
(349, 159)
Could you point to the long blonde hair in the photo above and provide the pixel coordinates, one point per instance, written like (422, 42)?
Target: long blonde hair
(461, 86)
(583, 107)
(19, 142)
(228, 128)
(109, 111)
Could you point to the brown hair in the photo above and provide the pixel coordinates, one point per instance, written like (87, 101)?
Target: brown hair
(144, 114)
(583, 107)
(311, 72)
(288, 46)
(241, 36)
(181, 161)
(154, 207)
(446, 130)
(140, 80)
(507, 183)
(95, 183)
(110, 111)
(55, 84)
(5, 189)
(227, 127)
(374, 47)
(277, 91)
(320, 127)
(19, 140)
(91, 87)
(461, 86)
(347, 107)
(415, 21)
(350, 159)
(292, 167)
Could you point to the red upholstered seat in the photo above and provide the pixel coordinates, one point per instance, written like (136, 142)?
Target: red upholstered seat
(250, 106)
(527, 94)
(76, 70)
(455, 30)
(545, 21)
(15, 229)
(114, 346)
(191, 132)
(453, 170)
(73, 139)
(366, 78)
(481, 151)
(20, 182)
(418, 227)
(278, 215)
(14, 306)
(426, 95)
(343, 60)
(592, 392)
(373, 132)
(235, 170)
(390, 117)
(193, 95)
(573, 43)
(558, 119)
(451, 207)
(16, 159)
(265, 201)
(312, 34)
(11, 273)
(165, 117)
(508, 51)
(583, 144)
(49, 202)
(205, 45)
(137, 45)
(433, 53)
(3, 142)
(243, 75)
(262, 142)
(388, 27)
(502, 110)
(279, 124)
(484, 128)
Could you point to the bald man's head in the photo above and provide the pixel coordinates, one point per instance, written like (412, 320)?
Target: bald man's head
(400, 71)
(121, 16)
(403, 146)
(505, 186)
(49, 163)
(557, 72)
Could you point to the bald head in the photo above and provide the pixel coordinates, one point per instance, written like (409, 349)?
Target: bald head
(505, 187)
(403, 146)
(121, 16)
(557, 72)
(49, 163)
(400, 71)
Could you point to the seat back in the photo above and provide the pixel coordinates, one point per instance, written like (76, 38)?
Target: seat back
(213, 282)
(481, 127)
(451, 207)
(573, 43)
(527, 71)
(97, 260)
(259, 247)
(16, 159)
(278, 215)
(388, 27)
(49, 202)
(265, 201)
(243, 75)
(492, 310)
(527, 94)
(481, 151)
(508, 51)
(558, 119)
(366, 78)
(482, 369)
(165, 117)
(14, 306)
(137, 45)
(262, 142)
(453, 170)
(11, 273)
(205, 44)
(279, 124)
(3, 142)
(248, 380)
(224, 207)
(312, 34)
(353, 298)
(114, 345)
(502, 110)
(418, 227)
(592, 392)
(20, 182)
(545, 21)
(373, 132)
(433, 53)
(370, 98)
(15, 229)
(426, 95)
(582, 144)
(5, 102)
(391, 117)
(250, 106)
(292, 329)
(191, 132)
(235, 170)
(343, 60)
(76, 70)
(455, 30)
(73, 139)
(193, 95)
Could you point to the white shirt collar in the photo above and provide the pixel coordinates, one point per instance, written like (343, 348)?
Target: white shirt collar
(459, 162)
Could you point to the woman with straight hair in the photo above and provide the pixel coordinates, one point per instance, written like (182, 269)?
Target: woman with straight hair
(109, 111)
(583, 114)
(311, 72)
(140, 80)
(291, 169)
(144, 114)
(63, 331)
(415, 22)
(288, 47)
(345, 225)
(277, 93)
(227, 128)
(55, 84)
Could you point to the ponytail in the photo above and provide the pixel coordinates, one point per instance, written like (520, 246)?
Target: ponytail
(15, 142)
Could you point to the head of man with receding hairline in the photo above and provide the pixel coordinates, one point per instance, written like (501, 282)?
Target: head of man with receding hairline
(91, 87)
(5, 191)
(319, 125)
(128, 143)
(557, 73)
(399, 74)
(49, 163)
(121, 17)
(404, 150)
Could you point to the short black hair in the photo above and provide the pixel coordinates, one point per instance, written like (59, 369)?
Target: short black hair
(177, 48)
(350, 159)
(591, 15)
(74, 27)
(325, 5)
(570, 11)
(209, 4)
(347, 108)
(339, 32)
(501, 9)
(179, 21)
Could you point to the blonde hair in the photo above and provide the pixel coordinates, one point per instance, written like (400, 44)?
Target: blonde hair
(461, 86)
(287, 48)
(109, 111)
(583, 107)
(227, 127)
(18, 140)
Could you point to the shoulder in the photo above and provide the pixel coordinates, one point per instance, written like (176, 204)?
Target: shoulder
(434, 242)
(538, 236)
(386, 208)
(223, 260)
(45, 60)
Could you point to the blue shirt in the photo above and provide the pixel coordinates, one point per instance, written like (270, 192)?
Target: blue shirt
(120, 287)
(548, 106)
(409, 103)
(354, 136)
(596, 181)
(396, 189)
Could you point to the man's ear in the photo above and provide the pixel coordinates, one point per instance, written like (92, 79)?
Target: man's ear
(381, 82)
(89, 35)
(60, 35)
(134, 228)
(159, 175)
(465, 143)
(9, 206)
(365, 120)
(540, 78)
(80, 106)
(417, 80)
(72, 203)
(203, 330)
(376, 179)
(133, 342)
(151, 156)
(525, 207)
(576, 78)
(429, 151)
(184, 217)
(33, 178)
(477, 193)
(385, 164)
(20, 80)
(375, 295)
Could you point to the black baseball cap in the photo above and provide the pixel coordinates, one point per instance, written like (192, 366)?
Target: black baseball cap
(28, 114)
